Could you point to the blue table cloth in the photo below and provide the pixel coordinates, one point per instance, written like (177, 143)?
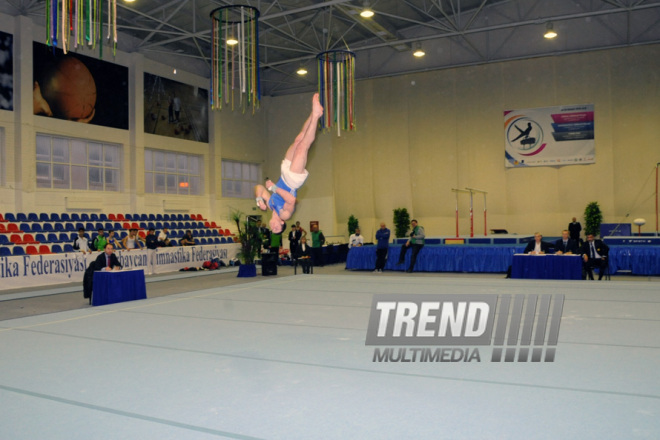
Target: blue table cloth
(547, 267)
(118, 286)
(461, 258)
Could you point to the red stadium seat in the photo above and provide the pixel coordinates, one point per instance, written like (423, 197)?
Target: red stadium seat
(44, 249)
(3, 229)
(112, 217)
(16, 239)
(31, 250)
(213, 225)
(142, 234)
(29, 239)
(135, 226)
(13, 227)
(126, 225)
(120, 217)
(227, 233)
(2, 219)
(207, 225)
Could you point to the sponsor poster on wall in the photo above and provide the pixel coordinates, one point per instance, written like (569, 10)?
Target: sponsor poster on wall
(549, 136)
(6, 71)
(79, 88)
(175, 109)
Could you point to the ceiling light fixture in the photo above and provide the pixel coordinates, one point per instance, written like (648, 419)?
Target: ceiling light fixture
(301, 71)
(231, 41)
(549, 32)
(366, 12)
(419, 52)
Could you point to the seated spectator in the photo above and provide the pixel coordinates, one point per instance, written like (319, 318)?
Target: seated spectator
(188, 239)
(594, 253)
(107, 260)
(566, 245)
(114, 241)
(81, 243)
(304, 255)
(99, 241)
(538, 246)
(163, 239)
(275, 242)
(132, 241)
(151, 240)
(355, 239)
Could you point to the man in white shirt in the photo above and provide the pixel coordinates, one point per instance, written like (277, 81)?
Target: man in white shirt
(162, 238)
(355, 239)
(81, 243)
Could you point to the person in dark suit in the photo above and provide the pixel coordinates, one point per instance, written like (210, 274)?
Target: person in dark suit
(574, 229)
(594, 254)
(107, 260)
(538, 246)
(304, 255)
(566, 245)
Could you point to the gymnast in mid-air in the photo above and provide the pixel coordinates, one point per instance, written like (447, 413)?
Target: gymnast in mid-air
(292, 173)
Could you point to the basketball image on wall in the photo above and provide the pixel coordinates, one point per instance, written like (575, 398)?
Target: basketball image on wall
(79, 88)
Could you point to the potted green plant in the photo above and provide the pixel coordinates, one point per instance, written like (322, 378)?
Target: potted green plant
(593, 217)
(248, 237)
(401, 222)
(353, 224)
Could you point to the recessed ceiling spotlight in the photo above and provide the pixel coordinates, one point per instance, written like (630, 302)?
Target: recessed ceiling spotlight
(549, 32)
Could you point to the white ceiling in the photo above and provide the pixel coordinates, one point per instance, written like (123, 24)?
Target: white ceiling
(451, 32)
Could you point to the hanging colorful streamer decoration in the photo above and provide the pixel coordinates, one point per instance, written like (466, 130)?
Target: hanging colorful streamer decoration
(235, 58)
(79, 23)
(336, 78)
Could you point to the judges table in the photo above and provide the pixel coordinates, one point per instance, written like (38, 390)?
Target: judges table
(547, 267)
(111, 287)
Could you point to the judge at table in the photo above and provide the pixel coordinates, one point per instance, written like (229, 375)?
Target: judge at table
(538, 246)
(107, 260)
(566, 245)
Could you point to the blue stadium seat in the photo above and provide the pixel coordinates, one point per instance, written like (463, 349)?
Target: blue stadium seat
(98, 226)
(214, 233)
(25, 227)
(33, 217)
(65, 217)
(36, 227)
(47, 227)
(64, 237)
(166, 217)
(159, 225)
(5, 252)
(94, 217)
(217, 240)
(54, 217)
(56, 249)
(10, 217)
(41, 238)
(159, 217)
(89, 227)
(84, 217)
(79, 225)
(43, 217)
(223, 240)
(128, 216)
(4, 241)
(103, 217)
(59, 227)
(75, 217)
(52, 238)
(18, 250)
(144, 218)
(68, 248)
(69, 227)
(21, 217)
(118, 226)
(109, 226)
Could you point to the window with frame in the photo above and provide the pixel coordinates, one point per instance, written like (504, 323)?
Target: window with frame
(168, 172)
(80, 164)
(239, 178)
